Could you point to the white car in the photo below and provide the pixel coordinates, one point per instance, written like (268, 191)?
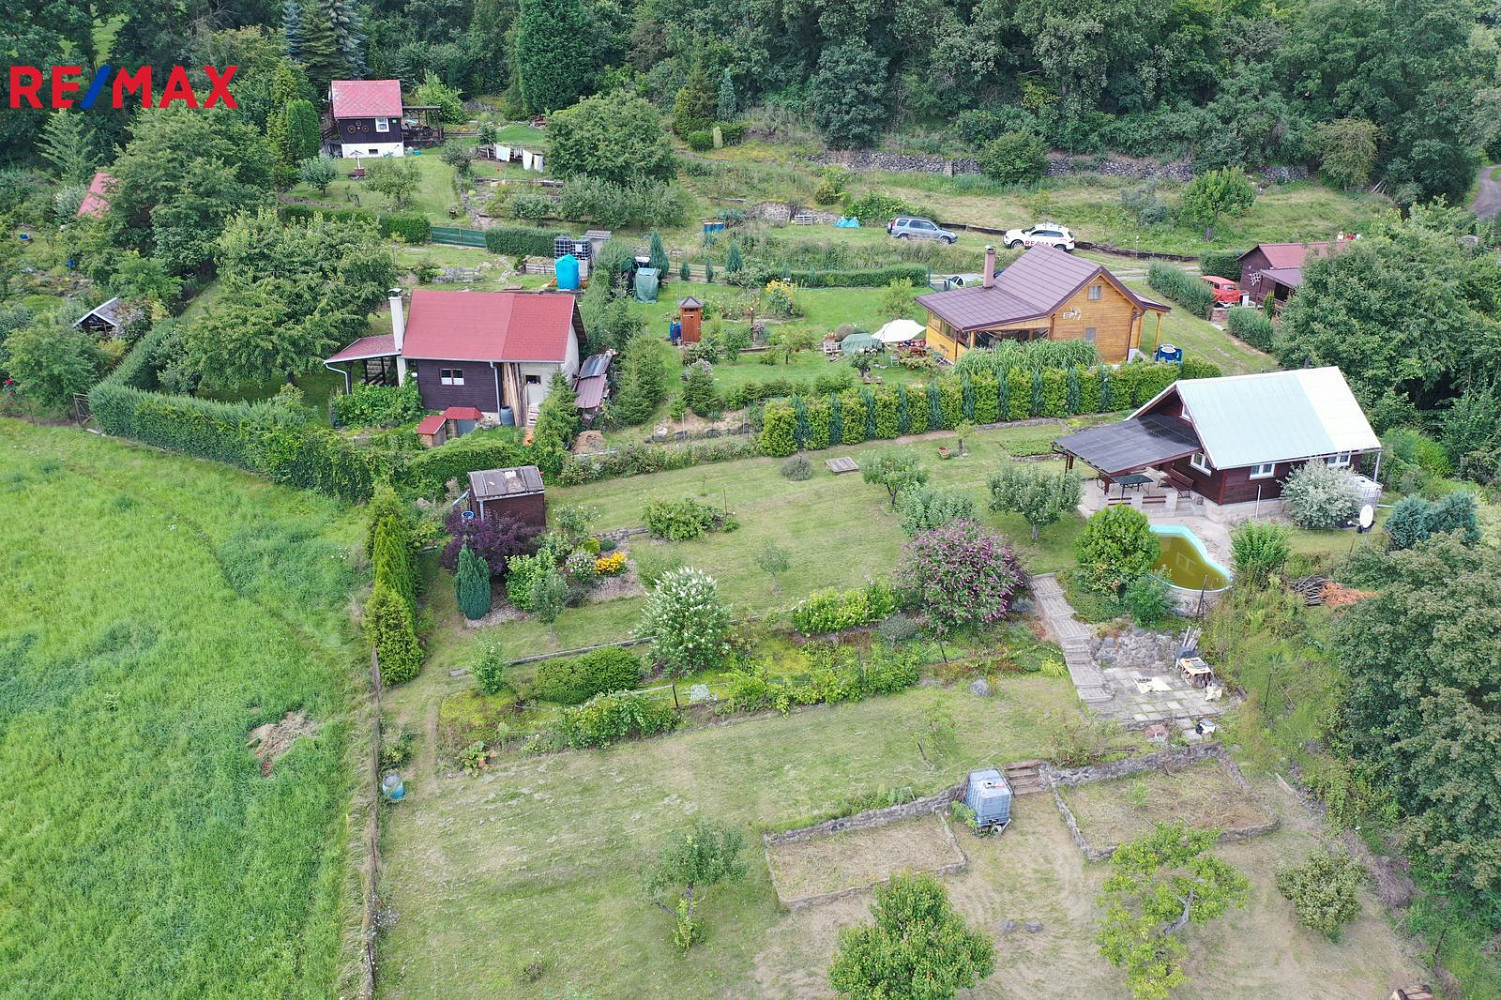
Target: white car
(1043, 234)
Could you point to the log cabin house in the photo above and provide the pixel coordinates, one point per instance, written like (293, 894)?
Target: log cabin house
(1047, 294)
(367, 118)
(493, 351)
(1232, 439)
(1276, 269)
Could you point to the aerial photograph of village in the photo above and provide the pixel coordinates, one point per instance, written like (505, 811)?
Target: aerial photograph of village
(750, 500)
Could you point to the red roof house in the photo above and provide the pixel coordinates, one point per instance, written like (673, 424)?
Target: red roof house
(96, 202)
(488, 351)
(1277, 268)
(367, 117)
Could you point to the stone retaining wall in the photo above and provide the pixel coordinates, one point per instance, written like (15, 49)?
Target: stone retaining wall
(869, 818)
(1162, 760)
(1058, 165)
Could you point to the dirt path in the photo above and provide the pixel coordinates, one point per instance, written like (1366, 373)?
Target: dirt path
(1487, 201)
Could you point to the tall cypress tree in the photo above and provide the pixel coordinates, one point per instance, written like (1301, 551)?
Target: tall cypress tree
(725, 105)
(555, 52)
(472, 585)
(657, 252)
(321, 56)
(349, 33)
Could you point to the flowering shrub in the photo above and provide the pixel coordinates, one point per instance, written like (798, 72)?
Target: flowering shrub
(679, 520)
(688, 621)
(610, 565)
(579, 568)
(959, 574)
(779, 297)
(836, 610)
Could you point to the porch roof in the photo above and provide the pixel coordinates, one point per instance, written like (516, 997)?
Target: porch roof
(1116, 449)
(383, 346)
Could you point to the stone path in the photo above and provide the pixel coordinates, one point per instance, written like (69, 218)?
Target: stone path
(1074, 636)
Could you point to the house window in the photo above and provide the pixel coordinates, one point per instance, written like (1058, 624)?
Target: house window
(451, 376)
(382, 124)
(1200, 461)
(1089, 334)
(1095, 291)
(1264, 470)
(1339, 459)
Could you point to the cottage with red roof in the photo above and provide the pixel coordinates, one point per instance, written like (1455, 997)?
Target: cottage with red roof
(96, 202)
(1047, 294)
(492, 351)
(1276, 269)
(367, 117)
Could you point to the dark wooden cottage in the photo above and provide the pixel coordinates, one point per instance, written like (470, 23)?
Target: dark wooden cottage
(1276, 269)
(517, 491)
(367, 118)
(1232, 439)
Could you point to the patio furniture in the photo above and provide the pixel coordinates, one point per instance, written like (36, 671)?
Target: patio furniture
(1135, 481)
(1195, 670)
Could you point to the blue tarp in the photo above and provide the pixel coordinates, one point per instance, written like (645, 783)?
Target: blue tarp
(849, 222)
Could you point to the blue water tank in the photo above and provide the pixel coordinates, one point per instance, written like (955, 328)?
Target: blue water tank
(990, 797)
(392, 787)
(1170, 353)
(568, 272)
(507, 417)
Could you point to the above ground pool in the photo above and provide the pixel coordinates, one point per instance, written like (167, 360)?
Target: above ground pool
(1185, 561)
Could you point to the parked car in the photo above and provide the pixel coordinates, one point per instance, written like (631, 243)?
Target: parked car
(918, 229)
(1043, 234)
(1226, 292)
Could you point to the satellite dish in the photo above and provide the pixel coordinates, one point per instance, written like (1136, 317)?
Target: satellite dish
(1367, 517)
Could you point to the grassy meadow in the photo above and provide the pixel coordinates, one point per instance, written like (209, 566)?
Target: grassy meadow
(153, 610)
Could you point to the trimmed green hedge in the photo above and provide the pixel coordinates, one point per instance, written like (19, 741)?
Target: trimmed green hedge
(867, 414)
(1252, 326)
(574, 680)
(409, 226)
(426, 473)
(520, 240)
(259, 437)
(1189, 291)
(875, 277)
(1221, 263)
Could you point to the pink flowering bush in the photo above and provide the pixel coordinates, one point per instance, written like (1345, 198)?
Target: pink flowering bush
(959, 574)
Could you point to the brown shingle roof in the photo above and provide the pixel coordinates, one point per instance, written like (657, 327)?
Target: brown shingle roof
(1035, 286)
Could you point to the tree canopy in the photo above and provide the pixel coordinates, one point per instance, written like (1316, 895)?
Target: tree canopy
(614, 137)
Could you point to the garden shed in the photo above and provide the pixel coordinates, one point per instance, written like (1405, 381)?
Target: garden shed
(516, 491)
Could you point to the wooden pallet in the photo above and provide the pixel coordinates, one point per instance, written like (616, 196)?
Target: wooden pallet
(838, 466)
(1024, 777)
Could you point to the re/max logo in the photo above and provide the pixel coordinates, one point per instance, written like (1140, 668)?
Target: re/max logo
(26, 84)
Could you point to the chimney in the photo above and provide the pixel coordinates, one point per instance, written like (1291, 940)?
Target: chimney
(989, 279)
(399, 334)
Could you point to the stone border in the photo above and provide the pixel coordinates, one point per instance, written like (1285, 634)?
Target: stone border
(768, 841)
(1160, 761)
(869, 818)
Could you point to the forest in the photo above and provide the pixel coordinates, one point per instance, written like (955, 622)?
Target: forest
(1403, 94)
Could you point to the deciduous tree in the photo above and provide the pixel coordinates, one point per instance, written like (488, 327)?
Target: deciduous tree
(1158, 885)
(895, 470)
(1116, 547)
(918, 948)
(959, 575)
(613, 137)
(1039, 496)
(693, 863)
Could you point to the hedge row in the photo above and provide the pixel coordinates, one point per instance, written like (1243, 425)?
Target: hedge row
(884, 412)
(410, 227)
(520, 240)
(644, 459)
(756, 272)
(1221, 263)
(426, 473)
(1189, 291)
(137, 370)
(836, 380)
(1252, 326)
(260, 437)
(574, 680)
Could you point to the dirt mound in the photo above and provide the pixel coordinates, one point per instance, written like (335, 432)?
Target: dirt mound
(588, 442)
(272, 740)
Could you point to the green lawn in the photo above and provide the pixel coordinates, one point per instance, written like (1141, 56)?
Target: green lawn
(184, 604)
(433, 195)
(1199, 338)
(539, 860)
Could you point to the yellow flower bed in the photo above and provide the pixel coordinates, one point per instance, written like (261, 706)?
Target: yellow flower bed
(610, 565)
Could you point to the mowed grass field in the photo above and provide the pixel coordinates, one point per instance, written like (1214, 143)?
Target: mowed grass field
(153, 610)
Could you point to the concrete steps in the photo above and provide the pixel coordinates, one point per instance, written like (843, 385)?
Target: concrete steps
(1025, 777)
(1073, 636)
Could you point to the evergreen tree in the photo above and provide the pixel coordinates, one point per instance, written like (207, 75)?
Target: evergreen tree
(555, 52)
(68, 146)
(557, 423)
(321, 56)
(658, 254)
(392, 560)
(293, 132)
(732, 261)
(388, 624)
(693, 109)
(472, 585)
(725, 105)
(291, 28)
(349, 33)
(643, 380)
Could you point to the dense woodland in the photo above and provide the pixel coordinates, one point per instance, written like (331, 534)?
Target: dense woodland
(1404, 93)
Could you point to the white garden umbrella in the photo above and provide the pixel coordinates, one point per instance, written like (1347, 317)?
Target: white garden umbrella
(899, 331)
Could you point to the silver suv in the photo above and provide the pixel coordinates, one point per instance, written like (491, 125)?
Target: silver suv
(1048, 234)
(918, 229)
